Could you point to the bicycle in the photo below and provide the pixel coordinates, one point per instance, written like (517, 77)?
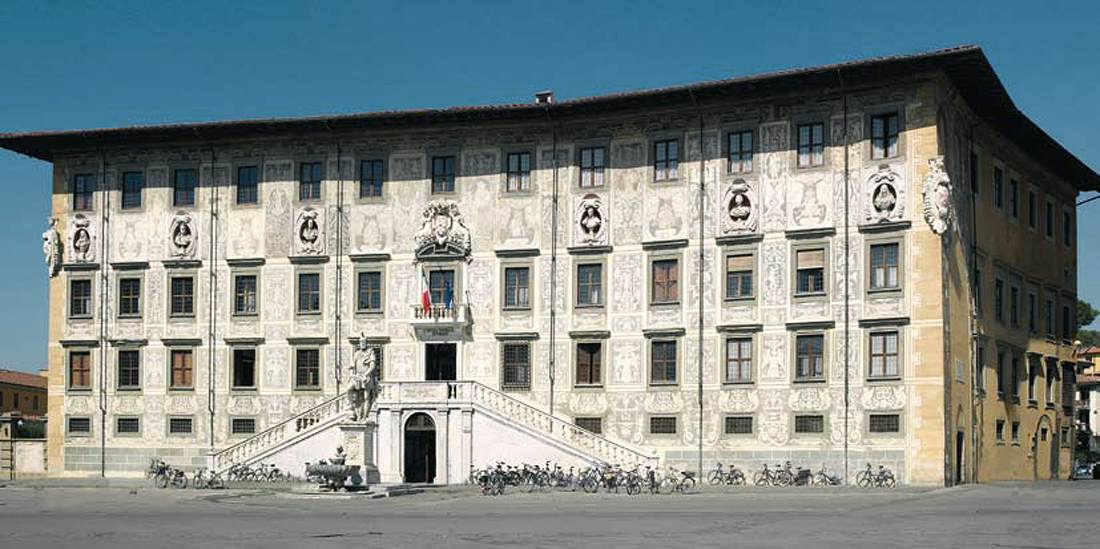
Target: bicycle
(772, 477)
(823, 478)
(733, 476)
(205, 479)
(883, 478)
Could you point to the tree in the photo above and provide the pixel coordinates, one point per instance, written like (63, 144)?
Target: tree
(1085, 314)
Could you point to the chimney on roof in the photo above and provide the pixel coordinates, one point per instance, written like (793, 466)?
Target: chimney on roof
(544, 97)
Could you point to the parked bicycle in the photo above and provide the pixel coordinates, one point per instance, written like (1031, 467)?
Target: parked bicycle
(206, 479)
(779, 476)
(732, 476)
(824, 478)
(165, 475)
(882, 478)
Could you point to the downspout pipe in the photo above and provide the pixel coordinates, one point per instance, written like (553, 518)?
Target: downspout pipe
(847, 277)
(104, 295)
(212, 318)
(338, 315)
(702, 268)
(553, 255)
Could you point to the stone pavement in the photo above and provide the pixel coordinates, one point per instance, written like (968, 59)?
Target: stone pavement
(1054, 514)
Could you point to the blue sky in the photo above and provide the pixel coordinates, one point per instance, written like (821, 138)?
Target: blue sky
(68, 65)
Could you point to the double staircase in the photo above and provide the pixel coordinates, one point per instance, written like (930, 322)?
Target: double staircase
(477, 396)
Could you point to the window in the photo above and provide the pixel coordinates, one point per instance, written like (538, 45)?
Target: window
(1050, 318)
(810, 271)
(184, 182)
(593, 162)
(809, 424)
(309, 293)
(1014, 380)
(666, 279)
(80, 370)
(244, 368)
(978, 288)
(516, 371)
(183, 296)
(245, 295)
(1032, 313)
(129, 369)
(1032, 375)
(662, 425)
(242, 426)
(369, 291)
(739, 360)
(1067, 229)
(811, 145)
(739, 149)
(516, 283)
(884, 423)
(1014, 198)
(519, 172)
(1014, 306)
(884, 136)
(1000, 430)
(1032, 211)
(127, 426)
(132, 183)
(309, 181)
(662, 362)
(590, 424)
(180, 426)
(83, 191)
(884, 355)
(998, 187)
(1069, 382)
(441, 285)
(370, 179)
(1067, 323)
(999, 299)
(1052, 376)
(307, 369)
(809, 357)
(1016, 432)
(884, 266)
(979, 368)
(129, 297)
(443, 174)
(975, 170)
(1002, 382)
(589, 285)
(739, 270)
(80, 298)
(588, 363)
(738, 425)
(666, 159)
(1049, 218)
(248, 184)
(80, 425)
(182, 369)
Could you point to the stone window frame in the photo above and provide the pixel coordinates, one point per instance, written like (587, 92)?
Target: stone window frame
(532, 189)
(1001, 365)
(453, 265)
(658, 255)
(726, 432)
(752, 126)
(378, 267)
(975, 157)
(999, 287)
(134, 389)
(92, 367)
(795, 433)
(80, 171)
(1032, 208)
(455, 153)
(663, 337)
(119, 418)
(998, 194)
(826, 347)
(119, 275)
(824, 244)
(183, 272)
(171, 348)
(92, 301)
(1051, 372)
(297, 163)
(981, 363)
(70, 433)
(899, 330)
(239, 271)
(999, 431)
(1015, 432)
(868, 433)
(233, 435)
(294, 386)
(1050, 313)
(580, 260)
(588, 339)
(870, 240)
(518, 387)
(651, 140)
(598, 419)
(120, 172)
(199, 203)
(821, 117)
(739, 250)
(235, 176)
(883, 109)
(1068, 225)
(1013, 193)
(578, 148)
(168, 427)
(1015, 299)
(978, 277)
(676, 425)
(1035, 370)
(1067, 328)
(754, 366)
(1050, 224)
(232, 370)
(518, 263)
(373, 155)
(1032, 296)
(305, 269)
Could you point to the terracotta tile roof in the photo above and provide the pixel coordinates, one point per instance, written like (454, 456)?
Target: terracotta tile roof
(1089, 351)
(22, 378)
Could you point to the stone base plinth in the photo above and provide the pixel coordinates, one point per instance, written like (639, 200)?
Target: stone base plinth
(358, 441)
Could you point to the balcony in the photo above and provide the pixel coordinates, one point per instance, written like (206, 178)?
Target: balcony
(439, 322)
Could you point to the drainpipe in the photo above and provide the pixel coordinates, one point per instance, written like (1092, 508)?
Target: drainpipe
(339, 265)
(702, 267)
(975, 369)
(553, 255)
(104, 294)
(847, 276)
(212, 313)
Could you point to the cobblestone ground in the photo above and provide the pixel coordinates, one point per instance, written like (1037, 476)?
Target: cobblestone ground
(1055, 514)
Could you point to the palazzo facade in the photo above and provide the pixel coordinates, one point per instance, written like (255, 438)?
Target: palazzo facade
(867, 262)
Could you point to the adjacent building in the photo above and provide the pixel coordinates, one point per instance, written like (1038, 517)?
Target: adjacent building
(870, 262)
(23, 392)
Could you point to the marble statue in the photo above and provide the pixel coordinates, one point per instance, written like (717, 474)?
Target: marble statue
(363, 382)
(51, 247)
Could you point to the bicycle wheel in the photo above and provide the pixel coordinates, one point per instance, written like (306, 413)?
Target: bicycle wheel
(161, 481)
(738, 479)
(633, 488)
(863, 480)
(889, 481)
(760, 479)
(179, 481)
(591, 485)
(714, 478)
(687, 484)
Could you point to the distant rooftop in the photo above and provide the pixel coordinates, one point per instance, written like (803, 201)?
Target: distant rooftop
(23, 378)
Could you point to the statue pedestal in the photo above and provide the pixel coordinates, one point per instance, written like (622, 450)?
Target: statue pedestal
(358, 441)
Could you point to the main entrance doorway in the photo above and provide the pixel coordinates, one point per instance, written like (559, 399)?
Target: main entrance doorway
(439, 362)
(420, 449)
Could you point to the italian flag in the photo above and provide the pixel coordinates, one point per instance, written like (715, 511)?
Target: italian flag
(425, 295)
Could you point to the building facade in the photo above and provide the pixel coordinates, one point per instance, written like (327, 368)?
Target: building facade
(22, 392)
(862, 263)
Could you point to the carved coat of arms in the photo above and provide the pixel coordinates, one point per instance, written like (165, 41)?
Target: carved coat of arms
(442, 231)
(937, 197)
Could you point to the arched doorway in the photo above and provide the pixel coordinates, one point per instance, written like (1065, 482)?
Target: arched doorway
(420, 449)
(1044, 448)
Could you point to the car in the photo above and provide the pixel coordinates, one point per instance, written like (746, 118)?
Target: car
(1083, 471)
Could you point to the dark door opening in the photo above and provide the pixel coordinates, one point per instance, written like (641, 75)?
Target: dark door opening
(439, 362)
(420, 449)
(959, 438)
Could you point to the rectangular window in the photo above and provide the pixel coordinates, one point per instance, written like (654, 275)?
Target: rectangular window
(244, 368)
(884, 423)
(307, 369)
(1000, 430)
(1069, 383)
(441, 284)
(1014, 198)
(666, 159)
(884, 266)
(180, 426)
(516, 284)
(884, 355)
(979, 368)
(975, 170)
(182, 369)
(978, 288)
(593, 162)
(129, 369)
(999, 300)
(589, 285)
(662, 362)
(132, 182)
(80, 370)
(811, 145)
(519, 172)
(1067, 229)
(739, 360)
(809, 357)
(1016, 432)
(1067, 323)
(1032, 313)
(590, 424)
(184, 182)
(588, 363)
(809, 424)
(884, 136)
(998, 187)
(810, 265)
(1032, 211)
(1032, 375)
(83, 191)
(443, 174)
(1002, 374)
(80, 425)
(245, 295)
(662, 425)
(242, 426)
(1014, 306)
(80, 298)
(129, 297)
(666, 281)
(309, 181)
(309, 293)
(516, 372)
(183, 296)
(369, 291)
(1050, 318)
(739, 270)
(739, 148)
(248, 184)
(1014, 379)
(127, 426)
(738, 425)
(370, 179)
